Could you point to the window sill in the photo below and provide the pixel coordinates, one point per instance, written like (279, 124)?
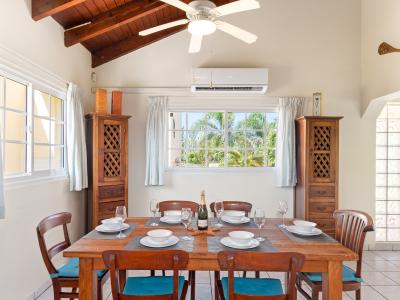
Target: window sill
(28, 180)
(269, 170)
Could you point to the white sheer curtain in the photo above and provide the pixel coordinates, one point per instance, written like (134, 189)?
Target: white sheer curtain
(156, 140)
(2, 205)
(76, 143)
(289, 109)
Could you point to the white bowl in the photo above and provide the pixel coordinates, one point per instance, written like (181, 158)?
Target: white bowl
(173, 214)
(304, 226)
(241, 237)
(159, 235)
(112, 223)
(235, 215)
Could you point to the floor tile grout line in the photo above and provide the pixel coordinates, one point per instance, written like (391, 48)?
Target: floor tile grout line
(372, 287)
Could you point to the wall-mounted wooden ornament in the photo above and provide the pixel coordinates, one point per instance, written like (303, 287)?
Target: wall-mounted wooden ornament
(116, 107)
(385, 48)
(101, 101)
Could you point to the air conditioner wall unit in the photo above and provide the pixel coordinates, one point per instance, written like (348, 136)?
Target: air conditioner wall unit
(230, 80)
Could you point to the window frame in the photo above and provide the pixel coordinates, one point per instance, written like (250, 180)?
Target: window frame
(225, 168)
(30, 175)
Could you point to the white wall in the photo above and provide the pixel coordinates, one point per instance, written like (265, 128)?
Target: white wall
(380, 74)
(22, 269)
(308, 46)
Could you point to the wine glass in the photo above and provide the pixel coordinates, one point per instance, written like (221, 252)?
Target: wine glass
(120, 214)
(259, 220)
(219, 210)
(154, 207)
(282, 210)
(186, 219)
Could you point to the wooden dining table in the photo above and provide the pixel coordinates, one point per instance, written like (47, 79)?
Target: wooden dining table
(319, 256)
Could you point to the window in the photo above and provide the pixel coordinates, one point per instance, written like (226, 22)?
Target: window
(32, 129)
(222, 139)
(388, 174)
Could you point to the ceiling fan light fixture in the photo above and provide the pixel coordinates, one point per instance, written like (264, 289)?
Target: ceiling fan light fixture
(202, 27)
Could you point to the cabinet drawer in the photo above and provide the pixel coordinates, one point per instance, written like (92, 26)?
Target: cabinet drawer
(327, 225)
(322, 191)
(111, 191)
(108, 208)
(320, 210)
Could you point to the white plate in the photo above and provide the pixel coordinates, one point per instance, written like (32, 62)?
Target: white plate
(148, 242)
(295, 230)
(243, 220)
(227, 241)
(102, 228)
(170, 221)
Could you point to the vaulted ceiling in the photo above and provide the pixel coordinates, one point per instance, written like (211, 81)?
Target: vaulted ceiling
(109, 28)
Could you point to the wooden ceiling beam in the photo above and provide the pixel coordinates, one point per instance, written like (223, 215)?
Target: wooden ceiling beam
(46, 8)
(114, 18)
(131, 44)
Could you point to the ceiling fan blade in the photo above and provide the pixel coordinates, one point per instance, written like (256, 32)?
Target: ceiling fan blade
(236, 7)
(179, 4)
(163, 27)
(236, 32)
(195, 43)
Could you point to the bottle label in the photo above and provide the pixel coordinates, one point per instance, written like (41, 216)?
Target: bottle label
(202, 223)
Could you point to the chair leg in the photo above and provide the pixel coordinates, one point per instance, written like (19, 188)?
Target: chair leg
(358, 294)
(257, 274)
(152, 273)
(56, 291)
(193, 286)
(216, 287)
(244, 274)
(73, 290)
(315, 294)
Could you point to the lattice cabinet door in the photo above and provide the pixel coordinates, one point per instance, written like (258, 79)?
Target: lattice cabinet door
(323, 149)
(112, 164)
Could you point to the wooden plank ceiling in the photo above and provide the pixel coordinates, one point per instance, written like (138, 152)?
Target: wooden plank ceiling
(109, 28)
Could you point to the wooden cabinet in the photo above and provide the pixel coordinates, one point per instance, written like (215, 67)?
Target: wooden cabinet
(316, 192)
(107, 143)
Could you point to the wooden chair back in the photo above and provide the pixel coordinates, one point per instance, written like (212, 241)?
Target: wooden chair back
(119, 261)
(289, 262)
(234, 205)
(48, 223)
(178, 205)
(351, 229)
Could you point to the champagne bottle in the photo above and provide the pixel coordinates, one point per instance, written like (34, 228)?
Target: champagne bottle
(202, 213)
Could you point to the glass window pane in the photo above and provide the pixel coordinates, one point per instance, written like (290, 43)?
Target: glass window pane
(1, 91)
(177, 121)
(215, 139)
(15, 95)
(381, 139)
(15, 126)
(381, 152)
(394, 152)
(56, 133)
(255, 159)
(196, 139)
(380, 221)
(381, 125)
(381, 166)
(270, 158)
(41, 104)
(380, 234)
(393, 221)
(394, 139)
(215, 120)
(41, 132)
(380, 193)
(177, 139)
(381, 179)
(236, 158)
(15, 159)
(394, 207)
(41, 158)
(394, 125)
(393, 235)
(1, 123)
(393, 193)
(175, 158)
(255, 121)
(272, 118)
(57, 158)
(393, 111)
(195, 158)
(196, 120)
(56, 109)
(216, 158)
(393, 166)
(380, 207)
(236, 121)
(255, 139)
(393, 179)
(237, 139)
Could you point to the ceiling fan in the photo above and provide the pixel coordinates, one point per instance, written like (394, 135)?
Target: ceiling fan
(203, 18)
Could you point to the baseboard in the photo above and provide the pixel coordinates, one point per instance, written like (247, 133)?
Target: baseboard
(384, 247)
(36, 294)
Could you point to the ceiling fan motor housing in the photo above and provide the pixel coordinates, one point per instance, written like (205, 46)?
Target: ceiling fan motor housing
(204, 10)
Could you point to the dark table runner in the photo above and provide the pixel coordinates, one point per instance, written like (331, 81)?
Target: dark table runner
(214, 245)
(95, 235)
(322, 238)
(162, 224)
(134, 244)
(250, 224)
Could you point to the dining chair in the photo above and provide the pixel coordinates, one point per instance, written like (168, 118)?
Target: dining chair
(234, 205)
(239, 288)
(178, 205)
(66, 276)
(351, 227)
(149, 287)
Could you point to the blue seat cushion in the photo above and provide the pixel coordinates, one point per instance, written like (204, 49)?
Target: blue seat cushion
(253, 286)
(347, 275)
(71, 270)
(152, 285)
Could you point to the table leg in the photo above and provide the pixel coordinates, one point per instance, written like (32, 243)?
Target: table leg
(332, 285)
(87, 280)
(216, 278)
(193, 286)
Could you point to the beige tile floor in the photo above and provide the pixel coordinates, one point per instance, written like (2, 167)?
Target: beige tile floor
(381, 273)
